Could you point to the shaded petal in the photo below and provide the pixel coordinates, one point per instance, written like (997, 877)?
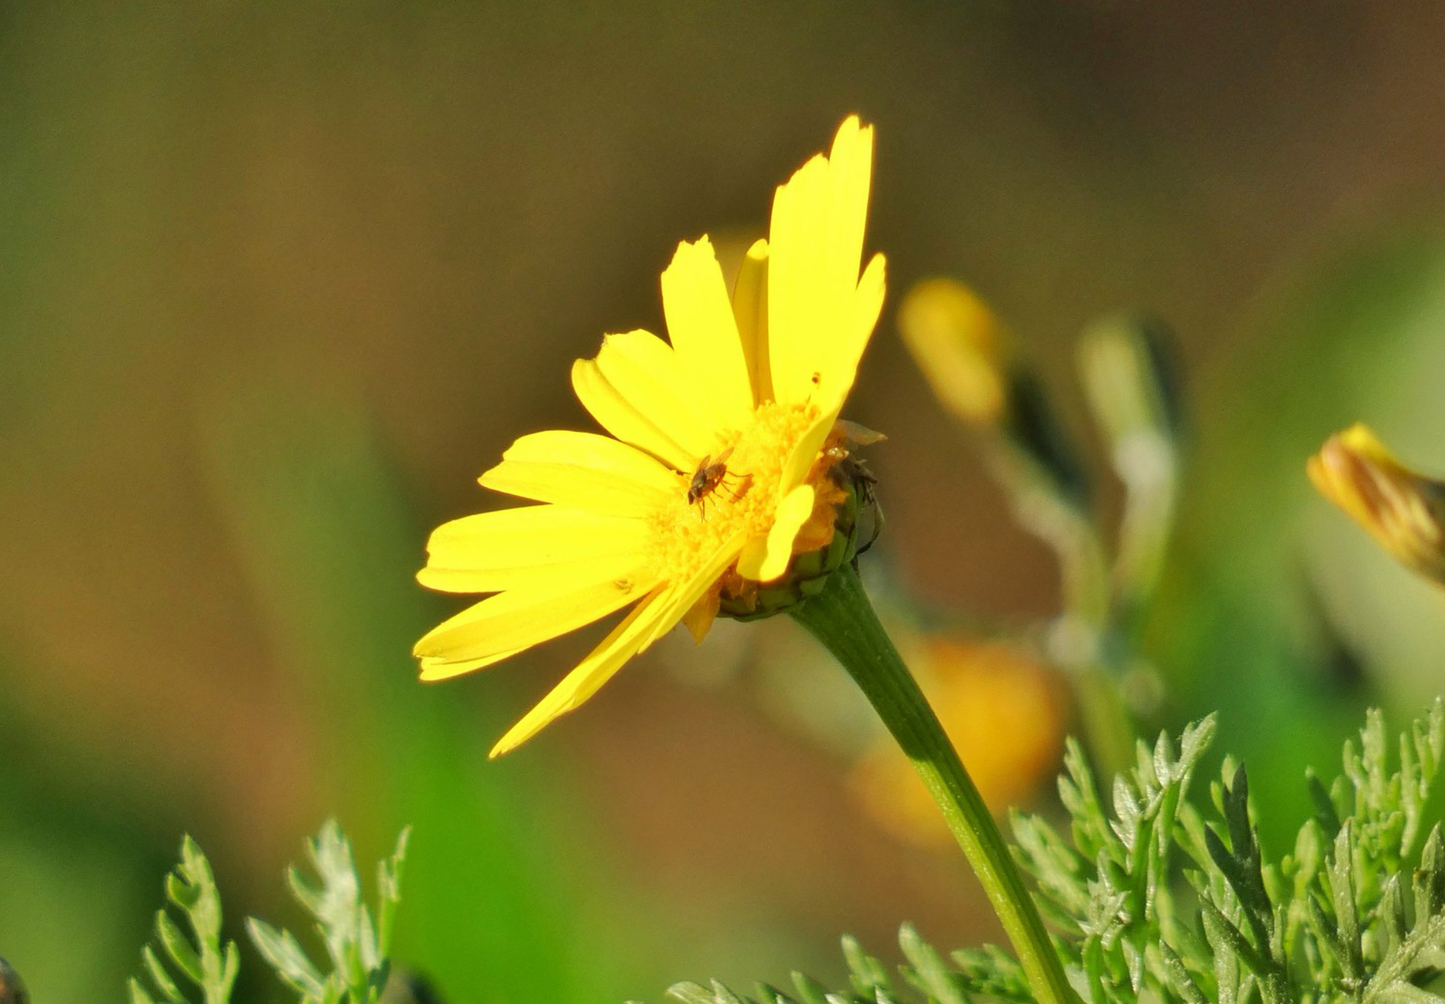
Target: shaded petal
(518, 619)
(701, 326)
(528, 547)
(765, 563)
(750, 308)
(645, 624)
(699, 617)
(621, 417)
(585, 471)
(816, 244)
(648, 372)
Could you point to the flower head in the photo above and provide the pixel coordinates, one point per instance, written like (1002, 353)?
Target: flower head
(1403, 510)
(723, 462)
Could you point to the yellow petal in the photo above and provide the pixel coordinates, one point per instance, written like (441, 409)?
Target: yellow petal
(624, 641)
(699, 617)
(851, 160)
(795, 285)
(804, 453)
(511, 621)
(434, 668)
(585, 471)
(1402, 509)
(649, 374)
(754, 554)
(701, 326)
(645, 624)
(750, 308)
(816, 245)
(765, 561)
(958, 343)
(527, 547)
(838, 366)
(620, 417)
(836, 379)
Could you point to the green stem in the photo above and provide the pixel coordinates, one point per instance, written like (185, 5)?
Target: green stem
(842, 618)
(1048, 512)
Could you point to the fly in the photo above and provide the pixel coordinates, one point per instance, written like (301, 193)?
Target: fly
(708, 476)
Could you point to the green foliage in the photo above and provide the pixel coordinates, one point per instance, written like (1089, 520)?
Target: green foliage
(356, 944)
(1152, 898)
(199, 960)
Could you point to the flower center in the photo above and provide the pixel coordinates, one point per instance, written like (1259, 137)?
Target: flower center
(734, 491)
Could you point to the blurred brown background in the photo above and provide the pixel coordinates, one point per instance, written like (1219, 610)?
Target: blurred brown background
(277, 281)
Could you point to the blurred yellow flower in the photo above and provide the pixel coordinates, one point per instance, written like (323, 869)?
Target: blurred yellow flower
(1004, 714)
(1403, 510)
(959, 344)
(722, 463)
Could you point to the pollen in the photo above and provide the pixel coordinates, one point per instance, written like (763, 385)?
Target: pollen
(744, 505)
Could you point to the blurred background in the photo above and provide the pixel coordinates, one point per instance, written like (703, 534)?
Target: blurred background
(278, 281)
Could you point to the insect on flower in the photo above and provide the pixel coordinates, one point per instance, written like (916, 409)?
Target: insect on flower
(708, 476)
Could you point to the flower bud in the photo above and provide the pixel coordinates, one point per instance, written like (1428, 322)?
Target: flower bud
(963, 350)
(1129, 380)
(1403, 510)
(958, 343)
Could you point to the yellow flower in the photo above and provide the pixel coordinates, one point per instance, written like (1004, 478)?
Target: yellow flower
(723, 462)
(959, 345)
(1403, 510)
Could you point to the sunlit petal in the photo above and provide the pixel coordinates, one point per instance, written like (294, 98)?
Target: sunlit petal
(582, 470)
(621, 417)
(838, 366)
(514, 620)
(435, 668)
(816, 242)
(649, 373)
(527, 546)
(793, 512)
(648, 621)
(701, 326)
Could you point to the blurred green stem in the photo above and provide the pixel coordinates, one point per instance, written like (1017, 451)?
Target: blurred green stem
(842, 618)
(1043, 509)
(1147, 467)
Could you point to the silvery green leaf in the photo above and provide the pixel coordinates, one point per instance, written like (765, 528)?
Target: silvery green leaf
(284, 953)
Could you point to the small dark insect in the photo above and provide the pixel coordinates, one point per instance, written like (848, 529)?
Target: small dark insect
(708, 476)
